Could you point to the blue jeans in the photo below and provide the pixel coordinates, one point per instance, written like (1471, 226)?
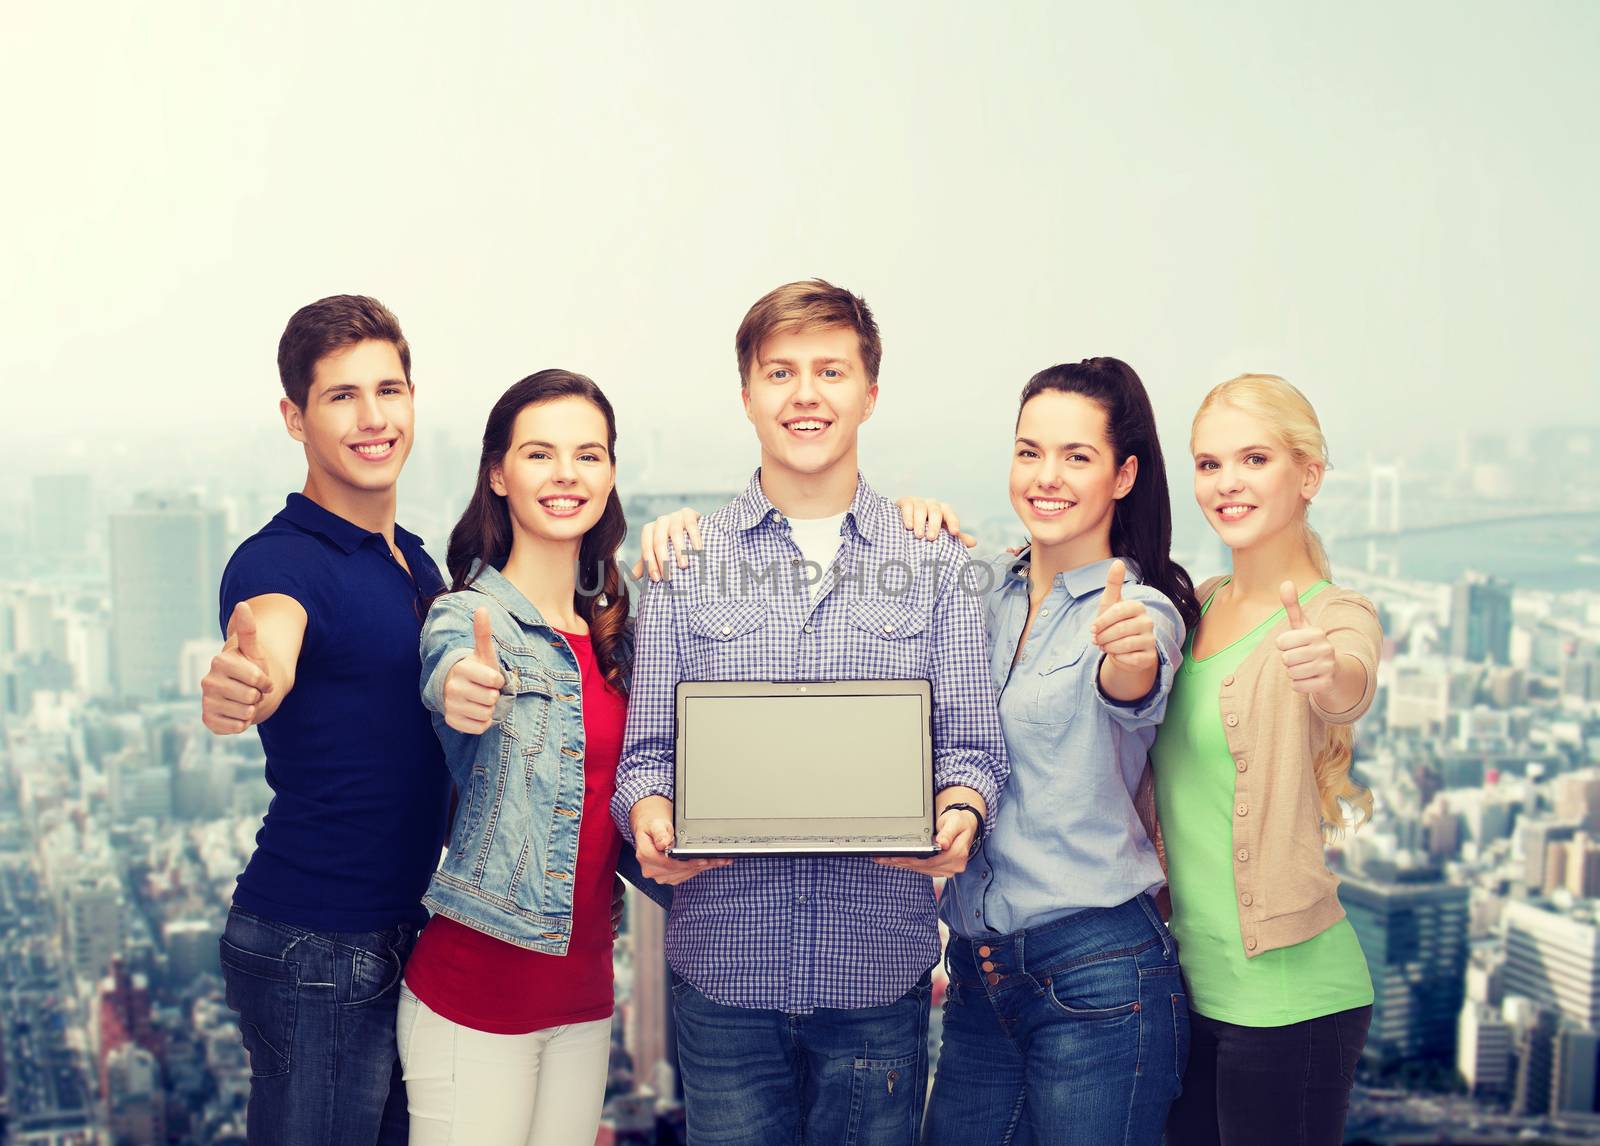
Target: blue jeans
(317, 1013)
(1070, 1034)
(833, 1077)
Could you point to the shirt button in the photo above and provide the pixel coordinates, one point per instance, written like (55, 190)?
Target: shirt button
(1243, 855)
(1243, 809)
(1240, 763)
(1227, 680)
(727, 630)
(888, 628)
(799, 899)
(807, 629)
(1233, 719)
(1044, 612)
(1245, 899)
(1250, 943)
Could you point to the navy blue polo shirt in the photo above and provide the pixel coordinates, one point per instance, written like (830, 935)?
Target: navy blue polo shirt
(359, 786)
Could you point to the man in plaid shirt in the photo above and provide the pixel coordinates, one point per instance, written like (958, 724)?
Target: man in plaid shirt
(803, 983)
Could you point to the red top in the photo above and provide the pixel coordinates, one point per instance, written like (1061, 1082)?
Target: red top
(490, 985)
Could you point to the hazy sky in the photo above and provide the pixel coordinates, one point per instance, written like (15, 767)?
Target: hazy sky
(1393, 204)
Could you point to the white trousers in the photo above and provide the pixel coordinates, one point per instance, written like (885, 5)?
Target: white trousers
(471, 1088)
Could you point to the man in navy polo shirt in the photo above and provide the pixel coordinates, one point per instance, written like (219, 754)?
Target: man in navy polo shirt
(323, 609)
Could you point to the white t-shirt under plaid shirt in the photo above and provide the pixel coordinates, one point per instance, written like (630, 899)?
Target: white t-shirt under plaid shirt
(795, 934)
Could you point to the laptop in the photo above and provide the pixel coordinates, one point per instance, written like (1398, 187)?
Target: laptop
(804, 768)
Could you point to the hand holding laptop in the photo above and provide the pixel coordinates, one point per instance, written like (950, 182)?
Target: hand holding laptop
(651, 819)
(957, 829)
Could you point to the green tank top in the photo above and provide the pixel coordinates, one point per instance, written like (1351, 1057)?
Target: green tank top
(1194, 794)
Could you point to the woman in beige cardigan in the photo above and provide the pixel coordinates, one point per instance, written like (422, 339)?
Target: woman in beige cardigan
(1252, 768)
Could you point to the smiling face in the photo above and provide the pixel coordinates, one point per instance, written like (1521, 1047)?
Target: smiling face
(557, 473)
(807, 394)
(1247, 482)
(356, 424)
(1065, 480)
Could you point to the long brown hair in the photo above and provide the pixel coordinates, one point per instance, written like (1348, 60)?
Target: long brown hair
(1141, 522)
(484, 531)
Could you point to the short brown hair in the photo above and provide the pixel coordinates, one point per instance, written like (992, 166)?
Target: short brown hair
(799, 306)
(327, 326)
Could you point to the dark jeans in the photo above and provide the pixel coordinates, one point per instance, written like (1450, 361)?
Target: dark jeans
(832, 1078)
(317, 1013)
(1269, 1086)
(1069, 1034)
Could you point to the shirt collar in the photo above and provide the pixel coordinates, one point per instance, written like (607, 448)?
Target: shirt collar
(865, 515)
(299, 510)
(1078, 582)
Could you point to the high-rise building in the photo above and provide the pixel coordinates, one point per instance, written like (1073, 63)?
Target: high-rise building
(1480, 619)
(1419, 697)
(1554, 959)
(93, 908)
(649, 1009)
(166, 564)
(1413, 930)
(62, 515)
(1578, 798)
(1572, 1069)
(1483, 1050)
(1535, 1028)
(1574, 865)
(1536, 838)
(135, 1099)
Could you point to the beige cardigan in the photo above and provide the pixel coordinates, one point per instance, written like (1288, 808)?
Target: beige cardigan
(1285, 892)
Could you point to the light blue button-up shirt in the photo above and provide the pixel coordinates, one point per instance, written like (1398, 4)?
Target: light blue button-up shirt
(1067, 836)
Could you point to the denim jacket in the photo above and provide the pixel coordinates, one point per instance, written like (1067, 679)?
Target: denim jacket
(519, 785)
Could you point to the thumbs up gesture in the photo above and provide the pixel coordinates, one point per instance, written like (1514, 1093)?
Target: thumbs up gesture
(232, 690)
(474, 683)
(1308, 656)
(1124, 630)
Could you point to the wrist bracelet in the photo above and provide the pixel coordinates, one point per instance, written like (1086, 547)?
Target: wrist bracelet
(977, 815)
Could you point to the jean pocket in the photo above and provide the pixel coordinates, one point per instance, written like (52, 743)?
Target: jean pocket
(884, 1103)
(373, 974)
(265, 992)
(1105, 990)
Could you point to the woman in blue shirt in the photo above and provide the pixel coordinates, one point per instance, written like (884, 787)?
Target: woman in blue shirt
(1066, 1019)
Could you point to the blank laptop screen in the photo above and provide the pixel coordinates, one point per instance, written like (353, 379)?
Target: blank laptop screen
(803, 757)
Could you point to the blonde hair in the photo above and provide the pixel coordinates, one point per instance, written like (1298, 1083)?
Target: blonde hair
(1289, 414)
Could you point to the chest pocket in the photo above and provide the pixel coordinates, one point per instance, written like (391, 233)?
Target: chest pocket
(889, 638)
(1057, 687)
(532, 692)
(723, 630)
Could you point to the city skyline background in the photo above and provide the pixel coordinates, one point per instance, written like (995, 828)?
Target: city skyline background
(1389, 205)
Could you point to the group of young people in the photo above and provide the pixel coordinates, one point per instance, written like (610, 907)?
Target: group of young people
(1104, 735)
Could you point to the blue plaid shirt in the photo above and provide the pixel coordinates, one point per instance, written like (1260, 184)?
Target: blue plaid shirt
(795, 934)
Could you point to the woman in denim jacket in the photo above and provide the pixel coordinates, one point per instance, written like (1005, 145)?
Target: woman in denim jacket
(505, 1013)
